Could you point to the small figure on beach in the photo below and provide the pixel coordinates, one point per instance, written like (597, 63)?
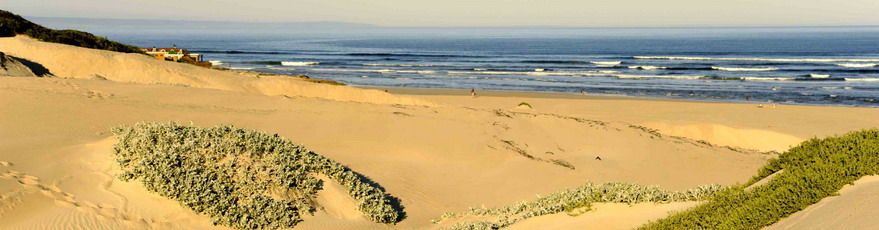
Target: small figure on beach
(472, 92)
(747, 98)
(774, 104)
(583, 92)
(386, 90)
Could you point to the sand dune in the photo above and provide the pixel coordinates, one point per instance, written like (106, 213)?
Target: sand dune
(758, 139)
(57, 170)
(854, 208)
(435, 159)
(74, 62)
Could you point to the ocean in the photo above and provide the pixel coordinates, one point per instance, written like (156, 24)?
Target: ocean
(790, 65)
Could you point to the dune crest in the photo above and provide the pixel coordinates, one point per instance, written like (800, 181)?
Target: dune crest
(67, 61)
(763, 140)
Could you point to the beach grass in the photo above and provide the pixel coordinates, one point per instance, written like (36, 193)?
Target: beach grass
(805, 174)
(570, 200)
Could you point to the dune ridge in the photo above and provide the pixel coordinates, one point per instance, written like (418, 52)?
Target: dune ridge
(67, 61)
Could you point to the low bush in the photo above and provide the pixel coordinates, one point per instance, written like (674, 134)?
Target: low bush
(570, 200)
(240, 178)
(12, 24)
(815, 169)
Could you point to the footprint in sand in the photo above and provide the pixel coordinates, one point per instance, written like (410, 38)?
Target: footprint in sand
(29, 180)
(66, 204)
(63, 199)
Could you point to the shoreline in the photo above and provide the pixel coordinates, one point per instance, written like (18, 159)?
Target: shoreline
(414, 91)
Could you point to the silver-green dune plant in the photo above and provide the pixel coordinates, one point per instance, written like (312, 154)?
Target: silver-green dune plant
(579, 198)
(240, 178)
(804, 175)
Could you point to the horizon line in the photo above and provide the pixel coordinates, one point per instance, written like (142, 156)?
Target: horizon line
(469, 27)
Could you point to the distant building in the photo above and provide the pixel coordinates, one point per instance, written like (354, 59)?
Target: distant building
(177, 55)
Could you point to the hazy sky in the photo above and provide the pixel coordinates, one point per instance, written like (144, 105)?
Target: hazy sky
(474, 12)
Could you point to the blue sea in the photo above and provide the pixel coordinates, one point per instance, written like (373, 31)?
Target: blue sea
(788, 65)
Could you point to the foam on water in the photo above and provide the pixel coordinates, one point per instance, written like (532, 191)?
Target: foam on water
(742, 69)
(769, 78)
(863, 79)
(606, 66)
(397, 65)
(298, 63)
(858, 65)
(647, 67)
(758, 59)
(584, 73)
(607, 62)
(624, 76)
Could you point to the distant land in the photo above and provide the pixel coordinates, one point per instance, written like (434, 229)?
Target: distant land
(100, 24)
(104, 23)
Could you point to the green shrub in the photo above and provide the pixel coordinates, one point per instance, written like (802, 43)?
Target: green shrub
(570, 200)
(815, 169)
(12, 24)
(240, 178)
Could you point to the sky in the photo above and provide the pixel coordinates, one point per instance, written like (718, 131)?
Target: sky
(475, 13)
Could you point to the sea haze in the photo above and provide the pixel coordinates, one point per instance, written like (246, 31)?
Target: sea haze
(796, 65)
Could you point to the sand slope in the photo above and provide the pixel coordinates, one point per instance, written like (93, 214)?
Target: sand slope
(435, 159)
(57, 171)
(74, 62)
(854, 208)
(733, 124)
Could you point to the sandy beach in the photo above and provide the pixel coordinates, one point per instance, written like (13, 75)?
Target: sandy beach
(437, 150)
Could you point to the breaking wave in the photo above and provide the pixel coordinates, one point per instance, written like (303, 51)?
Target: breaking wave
(647, 67)
(298, 63)
(758, 59)
(863, 79)
(742, 69)
(555, 62)
(397, 65)
(408, 55)
(858, 65)
(626, 76)
(607, 62)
